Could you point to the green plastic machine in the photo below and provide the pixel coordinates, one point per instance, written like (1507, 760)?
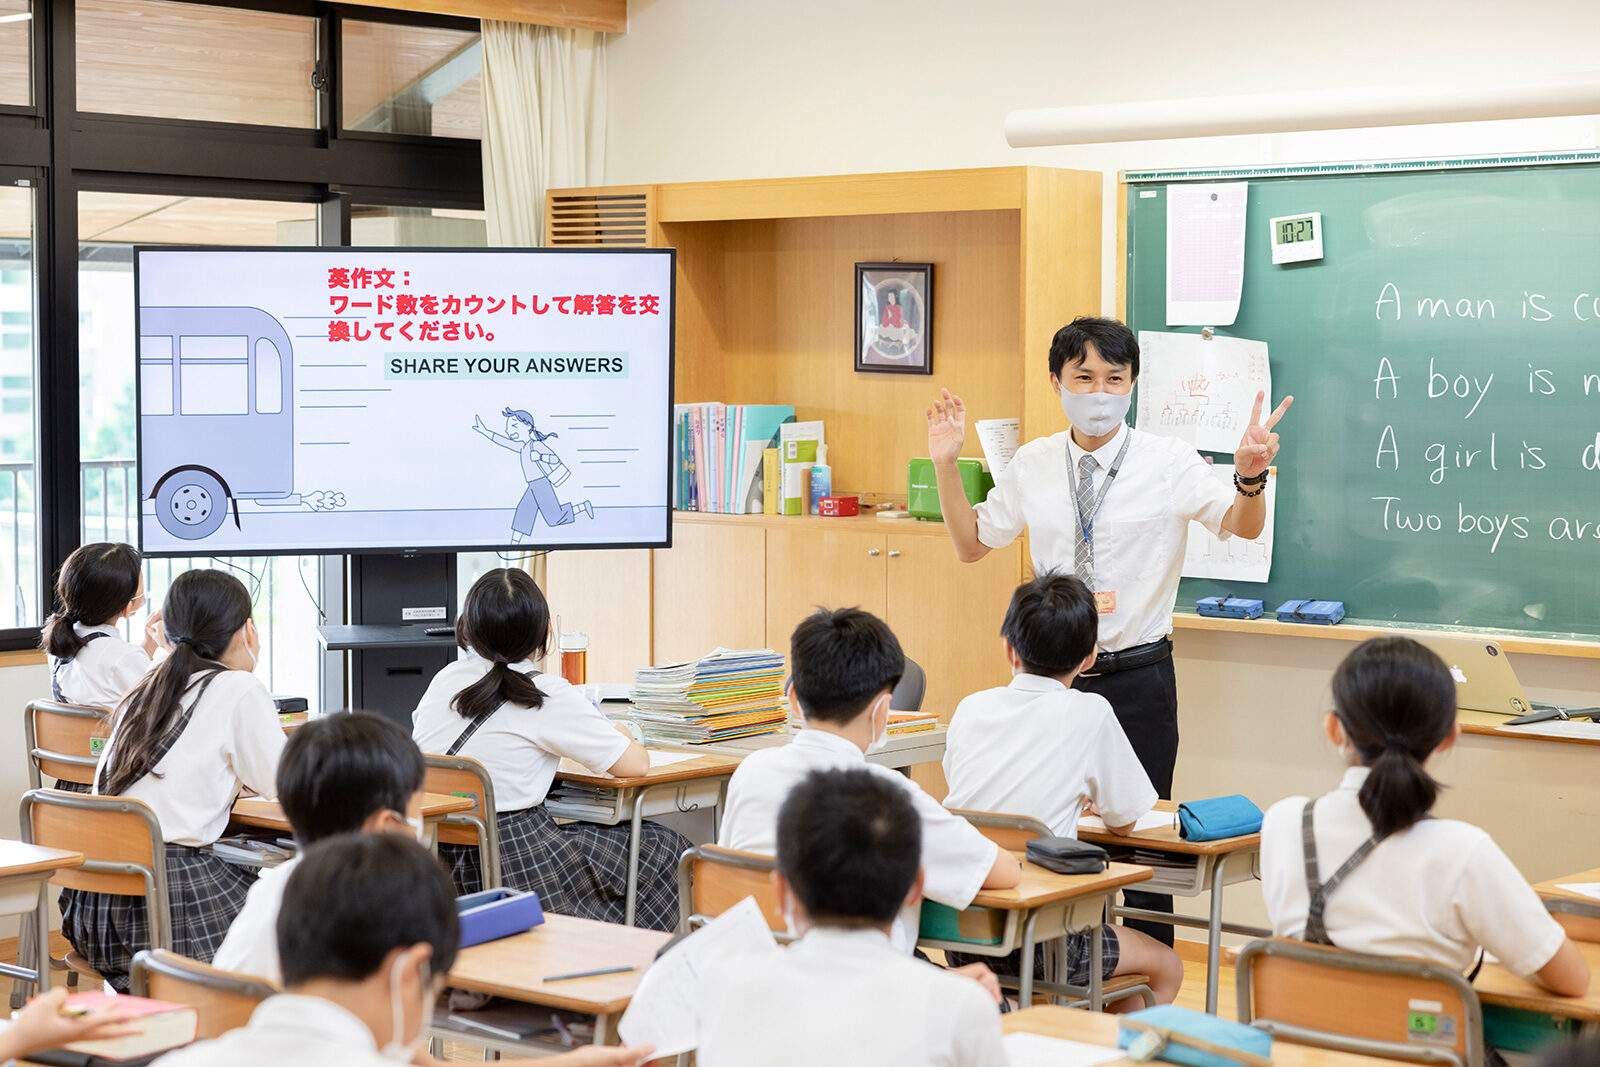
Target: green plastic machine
(923, 489)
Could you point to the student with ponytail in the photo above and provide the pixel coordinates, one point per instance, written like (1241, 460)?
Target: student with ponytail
(90, 663)
(194, 731)
(1367, 868)
(493, 705)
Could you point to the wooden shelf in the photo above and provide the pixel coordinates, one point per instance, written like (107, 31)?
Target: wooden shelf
(853, 524)
(985, 189)
(1485, 724)
(1576, 648)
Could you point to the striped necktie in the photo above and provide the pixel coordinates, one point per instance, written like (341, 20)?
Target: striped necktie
(1084, 560)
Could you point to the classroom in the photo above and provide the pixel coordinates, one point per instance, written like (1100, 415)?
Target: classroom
(1151, 444)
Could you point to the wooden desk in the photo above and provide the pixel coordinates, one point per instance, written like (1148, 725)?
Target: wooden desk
(1046, 906)
(1096, 1029)
(268, 814)
(1496, 985)
(1216, 864)
(24, 871)
(515, 968)
(683, 786)
(293, 720)
(1552, 890)
(901, 751)
(1488, 724)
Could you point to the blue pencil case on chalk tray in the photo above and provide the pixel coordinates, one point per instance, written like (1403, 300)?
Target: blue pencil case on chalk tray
(1219, 817)
(496, 913)
(1161, 1032)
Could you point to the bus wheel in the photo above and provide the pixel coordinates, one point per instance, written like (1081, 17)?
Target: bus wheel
(191, 504)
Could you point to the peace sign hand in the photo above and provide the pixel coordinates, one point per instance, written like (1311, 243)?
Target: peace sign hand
(1259, 445)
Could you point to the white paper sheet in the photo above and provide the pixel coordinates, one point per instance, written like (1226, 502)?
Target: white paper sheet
(1155, 820)
(1000, 439)
(667, 759)
(1585, 889)
(665, 1009)
(1205, 253)
(1201, 391)
(1036, 1050)
(1233, 560)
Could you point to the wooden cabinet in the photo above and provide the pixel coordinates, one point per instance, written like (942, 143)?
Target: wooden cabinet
(604, 593)
(708, 589)
(808, 568)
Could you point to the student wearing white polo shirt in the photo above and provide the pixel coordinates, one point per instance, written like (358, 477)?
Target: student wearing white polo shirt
(1394, 708)
(843, 665)
(90, 663)
(1039, 747)
(842, 994)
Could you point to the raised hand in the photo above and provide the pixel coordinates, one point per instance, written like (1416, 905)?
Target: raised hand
(1259, 445)
(947, 427)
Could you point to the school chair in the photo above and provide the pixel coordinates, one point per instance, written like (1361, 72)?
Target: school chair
(60, 741)
(1580, 918)
(460, 776)
(907, 695)
(222, 1000)
(1352, 1002)
(1012, 833)
(711, 880)
(124, 855)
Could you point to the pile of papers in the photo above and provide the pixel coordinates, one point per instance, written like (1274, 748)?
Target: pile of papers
(730, 693)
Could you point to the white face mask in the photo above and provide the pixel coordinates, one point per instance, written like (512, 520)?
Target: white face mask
(1096, 414)
(416, 827)
(398, 1050)
(880, 740)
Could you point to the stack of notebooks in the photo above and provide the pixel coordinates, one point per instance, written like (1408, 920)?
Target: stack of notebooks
(910, 722)
(730, 693)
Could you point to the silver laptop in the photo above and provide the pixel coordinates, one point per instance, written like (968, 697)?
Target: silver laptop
(1483, 674)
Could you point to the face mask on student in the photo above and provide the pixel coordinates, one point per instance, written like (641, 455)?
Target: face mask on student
(1096, 414)
(415, 824)
(880, 740)
(398, 1050)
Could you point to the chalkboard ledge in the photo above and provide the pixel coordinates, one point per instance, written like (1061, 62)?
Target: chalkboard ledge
(1346, 631)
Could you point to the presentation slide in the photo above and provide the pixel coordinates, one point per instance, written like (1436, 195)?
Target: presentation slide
(346, 400)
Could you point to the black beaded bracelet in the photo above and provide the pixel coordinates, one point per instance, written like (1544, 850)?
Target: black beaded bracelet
(1259, 479)
(1240, 483)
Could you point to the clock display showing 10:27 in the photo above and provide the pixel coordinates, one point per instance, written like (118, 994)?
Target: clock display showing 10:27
(1296, 238)
(1292, 230)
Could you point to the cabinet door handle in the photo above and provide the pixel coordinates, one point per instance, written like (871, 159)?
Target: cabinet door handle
(894, 553)
(873, 552)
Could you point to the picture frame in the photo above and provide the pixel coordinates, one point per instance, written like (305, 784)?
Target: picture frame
(894, 318)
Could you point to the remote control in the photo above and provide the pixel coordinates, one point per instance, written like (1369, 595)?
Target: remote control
(439, 631)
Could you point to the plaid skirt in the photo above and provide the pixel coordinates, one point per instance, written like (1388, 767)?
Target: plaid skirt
(1079, 956)
(72, 787)
(579, 868)
(205, 894)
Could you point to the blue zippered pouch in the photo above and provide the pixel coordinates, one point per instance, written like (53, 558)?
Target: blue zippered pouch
(1219, 817)
(1222, 1032)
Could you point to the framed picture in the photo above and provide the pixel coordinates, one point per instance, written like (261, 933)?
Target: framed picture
(894, 318)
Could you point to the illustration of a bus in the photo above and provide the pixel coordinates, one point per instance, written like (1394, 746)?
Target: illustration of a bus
(216, 414)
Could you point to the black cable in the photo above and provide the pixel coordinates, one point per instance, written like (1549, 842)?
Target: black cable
(322, 616)
(255, 578)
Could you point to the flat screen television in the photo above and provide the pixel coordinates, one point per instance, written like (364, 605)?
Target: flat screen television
(371, 400)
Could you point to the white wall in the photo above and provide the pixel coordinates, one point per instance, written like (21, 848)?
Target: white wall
(18, 686)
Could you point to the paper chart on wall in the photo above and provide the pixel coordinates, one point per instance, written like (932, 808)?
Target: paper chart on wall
(1201, 391)
(1235, 559)
(1205, 253)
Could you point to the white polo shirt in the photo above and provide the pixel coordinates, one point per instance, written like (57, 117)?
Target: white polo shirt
(304, 1031)
(1139, 532)
(1438, 890)
(844, 997)
(520, 747)
(103, 671)
(1036, 747)
(956, 858)
(233, 739)
(251, 946)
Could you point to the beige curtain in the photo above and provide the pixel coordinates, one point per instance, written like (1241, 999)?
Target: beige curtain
(544, 126)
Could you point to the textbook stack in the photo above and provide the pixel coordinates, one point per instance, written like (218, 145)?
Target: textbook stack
(730, 693)
(718, 455)
(910, 722)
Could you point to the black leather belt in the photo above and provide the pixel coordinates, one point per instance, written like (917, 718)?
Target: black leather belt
(1129, 658)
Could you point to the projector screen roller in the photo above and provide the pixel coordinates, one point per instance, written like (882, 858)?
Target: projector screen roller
(300, 401)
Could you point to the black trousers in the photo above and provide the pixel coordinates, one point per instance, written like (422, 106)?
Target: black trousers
(1145, 700)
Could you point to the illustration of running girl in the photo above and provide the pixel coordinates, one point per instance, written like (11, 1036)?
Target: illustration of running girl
(542, 469)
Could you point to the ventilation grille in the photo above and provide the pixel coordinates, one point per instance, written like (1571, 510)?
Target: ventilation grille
(611, 218)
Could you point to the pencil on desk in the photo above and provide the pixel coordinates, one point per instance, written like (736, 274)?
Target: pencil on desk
(589, 974)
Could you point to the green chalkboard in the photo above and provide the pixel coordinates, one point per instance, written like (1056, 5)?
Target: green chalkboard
(1416, 509)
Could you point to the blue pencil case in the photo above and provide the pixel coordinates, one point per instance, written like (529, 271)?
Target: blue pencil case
(1176, 1023)
(496, 913)
(1318, 612)
(1228, 607)
(1219, 817)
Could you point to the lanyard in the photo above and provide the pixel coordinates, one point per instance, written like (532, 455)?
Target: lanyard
(1086, 522)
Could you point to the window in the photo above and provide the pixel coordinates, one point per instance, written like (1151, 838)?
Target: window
(19, 531)
(412, 79)
(269, 378)
(190, 61)
(16, 48)
(417, 227)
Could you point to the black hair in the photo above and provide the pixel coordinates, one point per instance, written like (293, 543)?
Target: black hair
(1397, 703)
(1115, 342)
(505, 620)
(849, 845)
(355, 898)
(1051, 624)
(95, 584)
(203, 610)
(839, 661)
(338, 769)
(527, 420)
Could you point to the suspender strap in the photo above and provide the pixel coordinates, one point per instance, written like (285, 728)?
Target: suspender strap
(1316, 932)
(171, 737)
(472, 728)
(55, 668)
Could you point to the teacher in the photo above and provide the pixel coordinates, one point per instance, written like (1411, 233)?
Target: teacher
(1112, 505)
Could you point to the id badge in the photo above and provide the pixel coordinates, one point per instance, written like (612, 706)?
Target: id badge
(1105, 602)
